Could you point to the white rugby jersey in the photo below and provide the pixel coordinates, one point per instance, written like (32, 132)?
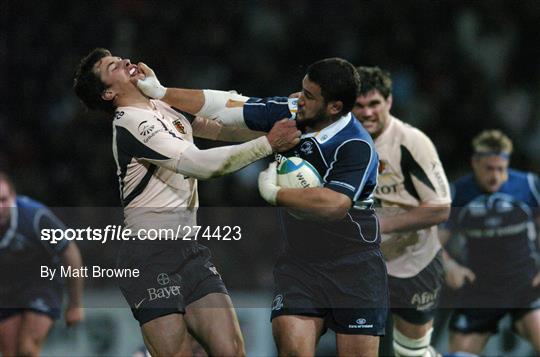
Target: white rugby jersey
(410, 173)
(148, 145)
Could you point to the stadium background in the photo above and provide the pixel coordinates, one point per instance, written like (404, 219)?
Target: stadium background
(458, 67)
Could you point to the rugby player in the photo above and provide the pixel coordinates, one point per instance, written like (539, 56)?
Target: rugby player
(414, 197)
(29, 303)
(331, 273)
(494, 209)
(158, 167)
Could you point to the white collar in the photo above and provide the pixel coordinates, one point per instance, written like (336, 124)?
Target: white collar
(10, 233)
(330, 131)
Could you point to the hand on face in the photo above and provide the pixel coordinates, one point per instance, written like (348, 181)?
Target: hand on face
(284, 135)
(148, 83)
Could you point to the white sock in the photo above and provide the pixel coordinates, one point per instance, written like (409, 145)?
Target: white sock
(408, 347)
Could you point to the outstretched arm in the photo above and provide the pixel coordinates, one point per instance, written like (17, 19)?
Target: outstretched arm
(229, 109)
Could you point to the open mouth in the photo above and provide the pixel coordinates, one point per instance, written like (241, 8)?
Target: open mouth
(133, 71)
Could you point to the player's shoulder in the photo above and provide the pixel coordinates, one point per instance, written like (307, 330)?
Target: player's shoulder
(518, 175)
(523, 180)
(345, 131)
(410, 136)
(28, 207)
(26, 202)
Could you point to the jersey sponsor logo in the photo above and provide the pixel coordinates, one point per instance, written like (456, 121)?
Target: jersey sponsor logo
(179, 126)
(277, 304)
(164, 292)
(361, 323)
(40, 305)
(509, 230)
(438, 172)
(213, 269)
(145, 128)
(425, 300)
(137, 305)
(163, 279)
(387, 189)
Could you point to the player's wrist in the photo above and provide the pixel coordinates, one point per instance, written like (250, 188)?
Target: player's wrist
(450, 264)
(151, 87)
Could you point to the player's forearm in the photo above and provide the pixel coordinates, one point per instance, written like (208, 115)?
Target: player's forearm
(188, 100)
(414, 219)
(206, 164)
(72, 257)
(314, 203)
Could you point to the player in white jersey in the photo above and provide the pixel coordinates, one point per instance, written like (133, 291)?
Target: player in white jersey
(158, 168)
(414, 195)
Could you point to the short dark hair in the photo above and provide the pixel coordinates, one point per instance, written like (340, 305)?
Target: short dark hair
(374, 78)
(338, 80)
(88, 86)
(5, 178)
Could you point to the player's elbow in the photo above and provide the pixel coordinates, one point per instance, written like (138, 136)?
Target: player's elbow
(441, 214)
(337, 208)
(337, 213)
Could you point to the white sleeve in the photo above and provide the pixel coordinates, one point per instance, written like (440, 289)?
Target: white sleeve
(206, 164)
(148, 139)
(225, 107)
(214, 130)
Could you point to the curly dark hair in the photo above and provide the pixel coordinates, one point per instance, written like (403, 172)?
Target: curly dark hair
(374, 78)
(338, 80)
(88, 86)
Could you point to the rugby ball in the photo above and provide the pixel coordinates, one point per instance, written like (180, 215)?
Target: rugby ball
(294, 172)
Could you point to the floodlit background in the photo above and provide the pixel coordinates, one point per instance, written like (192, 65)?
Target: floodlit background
(458, 67)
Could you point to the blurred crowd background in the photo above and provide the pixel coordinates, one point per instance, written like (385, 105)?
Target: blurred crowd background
(458, 67)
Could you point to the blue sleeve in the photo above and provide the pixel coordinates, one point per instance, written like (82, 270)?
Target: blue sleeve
(260, 114)
(354, 166)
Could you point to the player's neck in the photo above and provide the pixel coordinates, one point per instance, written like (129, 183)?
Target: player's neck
(137, 100)
(385, 127)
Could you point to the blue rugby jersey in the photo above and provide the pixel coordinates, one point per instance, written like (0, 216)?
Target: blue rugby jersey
(498, 227)
(344, 155)
(22, 252)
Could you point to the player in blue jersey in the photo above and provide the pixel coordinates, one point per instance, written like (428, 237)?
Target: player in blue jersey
(331, 273)
(29, 303)
(494, 209)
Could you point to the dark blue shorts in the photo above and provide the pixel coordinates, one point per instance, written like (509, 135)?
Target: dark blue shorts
(43, 297)
(350, 292)
(171, 277)
(481, 310)
(416, 299)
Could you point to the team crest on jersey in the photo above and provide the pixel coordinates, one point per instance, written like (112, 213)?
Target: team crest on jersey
(179, 126)
(307, 147)
(383, 167)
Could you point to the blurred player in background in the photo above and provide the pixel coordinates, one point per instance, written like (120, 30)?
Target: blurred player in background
(29, 303)
(158, 167)
(331, 274)
(494, 209)
(414, 196)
